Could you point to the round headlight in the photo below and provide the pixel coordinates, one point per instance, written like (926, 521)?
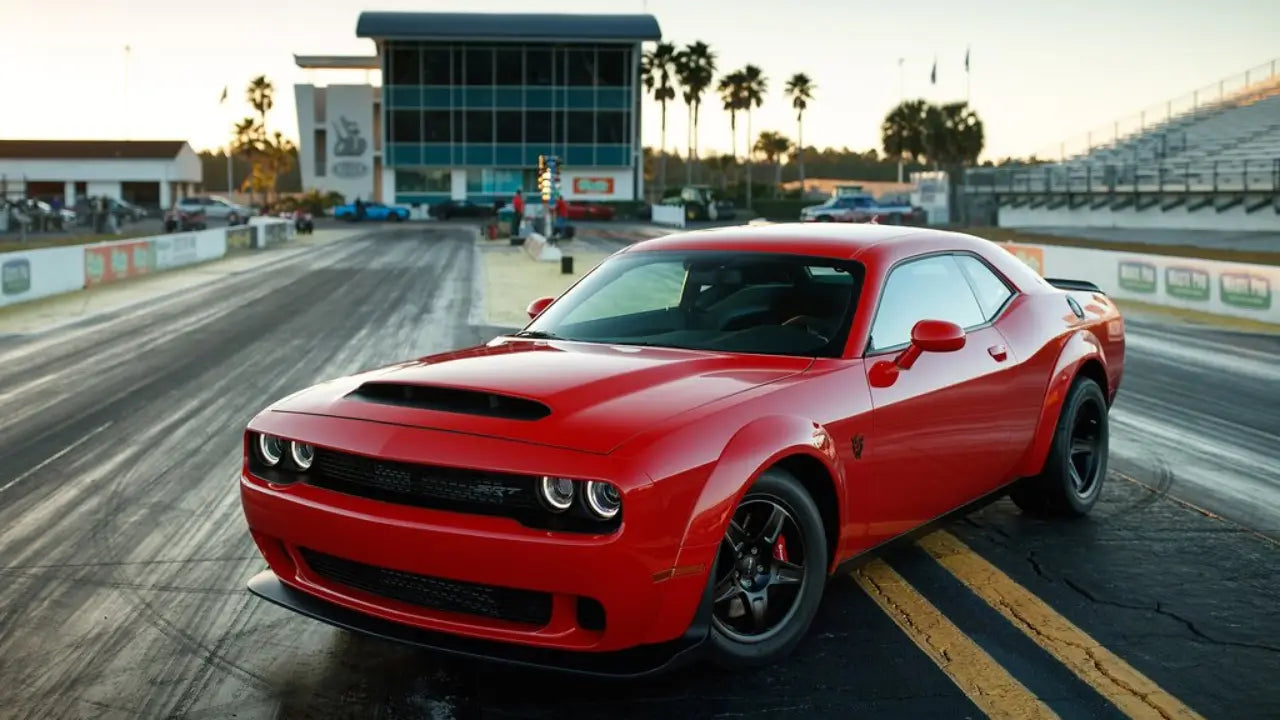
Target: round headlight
(557, 493)
(603, 499)
(271, 449)
(303, 455)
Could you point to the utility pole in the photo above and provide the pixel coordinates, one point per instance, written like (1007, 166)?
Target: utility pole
(124, 106)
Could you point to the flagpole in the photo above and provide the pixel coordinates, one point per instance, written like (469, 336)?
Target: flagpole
(968, 77)
(230, 178)
(902, 96)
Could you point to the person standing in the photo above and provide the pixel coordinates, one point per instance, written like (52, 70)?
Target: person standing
(517, 204)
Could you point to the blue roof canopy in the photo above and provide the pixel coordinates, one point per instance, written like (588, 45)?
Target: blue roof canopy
(511, 27)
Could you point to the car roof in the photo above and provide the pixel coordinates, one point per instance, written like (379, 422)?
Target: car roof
(833, 240)
(878, 247)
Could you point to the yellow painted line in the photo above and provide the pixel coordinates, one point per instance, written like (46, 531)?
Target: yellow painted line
(1130, 691)
(977, 674)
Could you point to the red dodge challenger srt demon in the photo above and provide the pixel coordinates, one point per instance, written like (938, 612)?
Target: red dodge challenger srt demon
(675, 455)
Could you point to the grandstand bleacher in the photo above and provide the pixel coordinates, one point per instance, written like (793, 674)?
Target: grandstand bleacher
(1219, 152)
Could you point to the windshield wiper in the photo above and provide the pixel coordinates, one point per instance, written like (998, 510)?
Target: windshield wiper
(539, 334)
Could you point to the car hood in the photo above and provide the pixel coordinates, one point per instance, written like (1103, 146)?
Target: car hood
(580, 396)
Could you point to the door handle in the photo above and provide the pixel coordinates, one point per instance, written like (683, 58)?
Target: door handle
(999, 352)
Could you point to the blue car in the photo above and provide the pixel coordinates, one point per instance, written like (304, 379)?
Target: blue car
(372, 211)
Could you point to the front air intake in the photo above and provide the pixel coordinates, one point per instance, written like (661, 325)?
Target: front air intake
(453, 400)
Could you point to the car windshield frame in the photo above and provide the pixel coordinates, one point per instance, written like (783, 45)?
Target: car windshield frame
(724, 313)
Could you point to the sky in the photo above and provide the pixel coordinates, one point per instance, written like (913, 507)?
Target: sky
(1042, 73)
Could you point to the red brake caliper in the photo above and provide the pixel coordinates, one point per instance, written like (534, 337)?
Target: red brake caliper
(780, 549)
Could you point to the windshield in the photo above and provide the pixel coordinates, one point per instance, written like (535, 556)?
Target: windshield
(703, 300)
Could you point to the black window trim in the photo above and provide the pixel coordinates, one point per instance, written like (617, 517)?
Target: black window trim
(869, 352)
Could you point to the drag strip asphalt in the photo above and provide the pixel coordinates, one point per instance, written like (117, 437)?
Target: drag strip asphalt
(124, 554)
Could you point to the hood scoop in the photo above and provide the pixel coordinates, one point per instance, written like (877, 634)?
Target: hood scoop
(450, 400)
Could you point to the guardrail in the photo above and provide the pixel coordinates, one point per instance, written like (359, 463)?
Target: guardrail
(1259, 175)
(27, 275)
(1220, 288)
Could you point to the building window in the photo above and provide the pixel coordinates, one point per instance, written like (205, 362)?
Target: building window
(403, 65)
(510, 126)
(581, 126)
(510, 67)
(479, 126)
(611, 127)
(612, 67)
(406, 126)
(480, 66)
(435, 66)
(408, 181)
(436, 126)
(582, 67)
(537, 126)
(538, 66)
(458, 67)
(321, 146)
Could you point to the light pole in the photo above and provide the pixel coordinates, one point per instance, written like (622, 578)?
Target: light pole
(125, 105)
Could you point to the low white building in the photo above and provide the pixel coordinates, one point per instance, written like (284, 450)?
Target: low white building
(148, 173)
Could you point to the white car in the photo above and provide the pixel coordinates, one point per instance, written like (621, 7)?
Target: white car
(213, 207)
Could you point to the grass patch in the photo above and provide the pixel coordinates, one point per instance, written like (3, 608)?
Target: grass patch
(35, 242)
(997, 234)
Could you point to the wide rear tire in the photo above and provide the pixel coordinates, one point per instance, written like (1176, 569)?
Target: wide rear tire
(763, 598)
(1076, 468)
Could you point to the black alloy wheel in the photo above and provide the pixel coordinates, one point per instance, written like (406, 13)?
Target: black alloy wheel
(1076, 468)
(769, 573)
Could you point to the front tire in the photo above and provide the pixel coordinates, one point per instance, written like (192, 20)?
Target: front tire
(769, 574)
(1074, 472)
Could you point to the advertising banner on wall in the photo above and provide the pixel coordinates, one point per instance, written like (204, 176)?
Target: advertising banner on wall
(31, 274)
(175, 250)
(1223, 288)
(349, 157)
(112, 262)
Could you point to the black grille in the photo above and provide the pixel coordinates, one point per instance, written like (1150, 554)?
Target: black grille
(441, 488)
(522, 606)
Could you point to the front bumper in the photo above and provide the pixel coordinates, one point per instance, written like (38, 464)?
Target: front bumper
(631, 663)
(646, 601)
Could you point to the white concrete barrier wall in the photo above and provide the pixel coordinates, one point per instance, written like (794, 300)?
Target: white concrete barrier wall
(1223, 288)
(32, 274)
(672, 215)
(1237, 218)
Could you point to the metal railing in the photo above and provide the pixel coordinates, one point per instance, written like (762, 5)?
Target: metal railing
(1252, 176)
(1256, 82)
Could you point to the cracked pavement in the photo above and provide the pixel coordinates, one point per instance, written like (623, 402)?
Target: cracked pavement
(123, 554)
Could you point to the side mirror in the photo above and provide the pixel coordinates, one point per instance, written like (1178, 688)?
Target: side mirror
(537, 306)
(926, 336)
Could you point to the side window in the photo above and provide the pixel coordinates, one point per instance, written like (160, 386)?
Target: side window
(992, 292)
(933, 288)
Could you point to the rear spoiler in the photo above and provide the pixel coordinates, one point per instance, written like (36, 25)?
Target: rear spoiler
(1080, 285)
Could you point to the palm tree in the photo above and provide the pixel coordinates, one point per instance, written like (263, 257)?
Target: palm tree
(261, 96)
(248, 139)
(800, 89)
(730, 90)
(754, 86)
(697, 68)
(773, 146)
(658, 68)
(903, 131)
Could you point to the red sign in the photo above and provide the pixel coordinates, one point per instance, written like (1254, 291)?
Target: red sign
(593, 186)
(110, 263)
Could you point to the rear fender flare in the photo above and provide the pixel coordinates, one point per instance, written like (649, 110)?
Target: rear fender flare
(755, 448)
(1079, 348)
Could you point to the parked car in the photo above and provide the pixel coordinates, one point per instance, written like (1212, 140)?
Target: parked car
(372, 211)
(180, 219)
(450, 209)
(673, 457)
(215, 207)
(590, 211)
(862, 207)
(302, 220)
(701, 203)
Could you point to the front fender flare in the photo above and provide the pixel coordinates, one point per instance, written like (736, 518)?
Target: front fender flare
(1079, 348)
(755, 448)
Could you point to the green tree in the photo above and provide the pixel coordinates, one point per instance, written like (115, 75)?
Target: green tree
(774, 147)
(697, 69)
(732, 89)
(800, 89)
(658, 69)
(903, 130)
